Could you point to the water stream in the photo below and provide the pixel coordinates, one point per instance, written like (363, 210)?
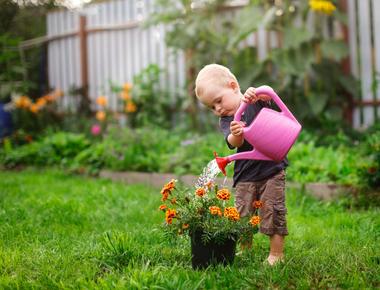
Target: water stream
(209, 173)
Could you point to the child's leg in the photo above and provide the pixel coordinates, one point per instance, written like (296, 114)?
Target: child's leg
(273, 215)
(277, 245)
(276, 253)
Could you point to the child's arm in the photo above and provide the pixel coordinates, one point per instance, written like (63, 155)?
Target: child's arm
(236, 137)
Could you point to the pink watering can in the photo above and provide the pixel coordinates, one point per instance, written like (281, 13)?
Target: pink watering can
(271, 133)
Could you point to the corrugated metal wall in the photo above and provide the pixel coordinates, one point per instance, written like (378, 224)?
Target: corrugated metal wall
(364, 40)
(118, 54)
(114, 55)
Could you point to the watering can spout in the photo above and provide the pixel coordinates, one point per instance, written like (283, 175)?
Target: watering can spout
(222, 163)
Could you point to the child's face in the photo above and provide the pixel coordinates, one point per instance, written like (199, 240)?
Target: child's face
(222, 100)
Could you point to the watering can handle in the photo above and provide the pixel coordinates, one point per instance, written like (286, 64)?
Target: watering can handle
(266, 90)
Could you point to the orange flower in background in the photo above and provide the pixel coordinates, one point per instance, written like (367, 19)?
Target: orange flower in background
(200, 191)
(101, 116)
(49, 98)
(127, 87)
(209, 184)
(215, 210)
(231, 213)
(130, 107)
(34, 108)
(23, 102)
(223, 194)
(125, 96)
(257, 204)
(163, 207)
(41, 102)
(173, 201)
(185, 226)
(101, 101)
(255, 220)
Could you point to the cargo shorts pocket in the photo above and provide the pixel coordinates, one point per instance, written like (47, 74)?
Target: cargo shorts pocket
(279, 216)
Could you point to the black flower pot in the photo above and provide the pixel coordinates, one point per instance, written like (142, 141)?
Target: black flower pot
(212, 252)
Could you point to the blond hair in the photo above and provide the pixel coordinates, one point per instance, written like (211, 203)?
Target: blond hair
(213, 74)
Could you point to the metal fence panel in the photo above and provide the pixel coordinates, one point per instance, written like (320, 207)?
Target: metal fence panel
(117, 55)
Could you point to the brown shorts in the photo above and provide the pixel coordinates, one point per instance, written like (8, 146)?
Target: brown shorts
(271, 192)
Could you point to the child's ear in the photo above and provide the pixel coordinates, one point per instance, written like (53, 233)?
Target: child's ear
(234, 85)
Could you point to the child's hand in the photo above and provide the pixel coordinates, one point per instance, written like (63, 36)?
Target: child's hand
(236, 128)
(251, 97)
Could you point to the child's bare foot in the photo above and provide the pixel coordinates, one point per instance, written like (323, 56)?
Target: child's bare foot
(274, 259)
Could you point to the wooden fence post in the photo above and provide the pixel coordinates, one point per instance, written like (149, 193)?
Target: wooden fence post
(82, 33)
(348, 112)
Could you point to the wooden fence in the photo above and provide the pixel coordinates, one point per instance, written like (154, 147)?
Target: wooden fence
(118, 48)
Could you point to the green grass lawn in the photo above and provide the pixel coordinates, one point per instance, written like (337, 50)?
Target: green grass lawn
(60, 232)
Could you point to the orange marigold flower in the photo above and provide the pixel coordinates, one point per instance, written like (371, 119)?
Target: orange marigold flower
(130, 107)
(215, 210)
(170, 213)
(200, 191)
(166, 190)
(257, 204)
(255, 220)
(223, 194)
(185, 226)
(170, 185)
(165, 194)
(231, 213)
(162, 207)
(101, 101)
(101, 116)
(209, 184)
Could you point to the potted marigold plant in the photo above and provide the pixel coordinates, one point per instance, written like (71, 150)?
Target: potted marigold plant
(206, 214)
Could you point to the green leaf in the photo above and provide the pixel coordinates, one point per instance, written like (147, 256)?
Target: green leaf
(335, 49)
(294, 36)
(317, 102)
(249, 20)
(350, 84)
(341, 17)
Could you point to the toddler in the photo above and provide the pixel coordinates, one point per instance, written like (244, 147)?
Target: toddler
(218, 89)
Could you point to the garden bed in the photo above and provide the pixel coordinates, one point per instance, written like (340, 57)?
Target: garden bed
(320, 190)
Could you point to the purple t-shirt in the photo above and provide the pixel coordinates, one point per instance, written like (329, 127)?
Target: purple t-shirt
(249, 170)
